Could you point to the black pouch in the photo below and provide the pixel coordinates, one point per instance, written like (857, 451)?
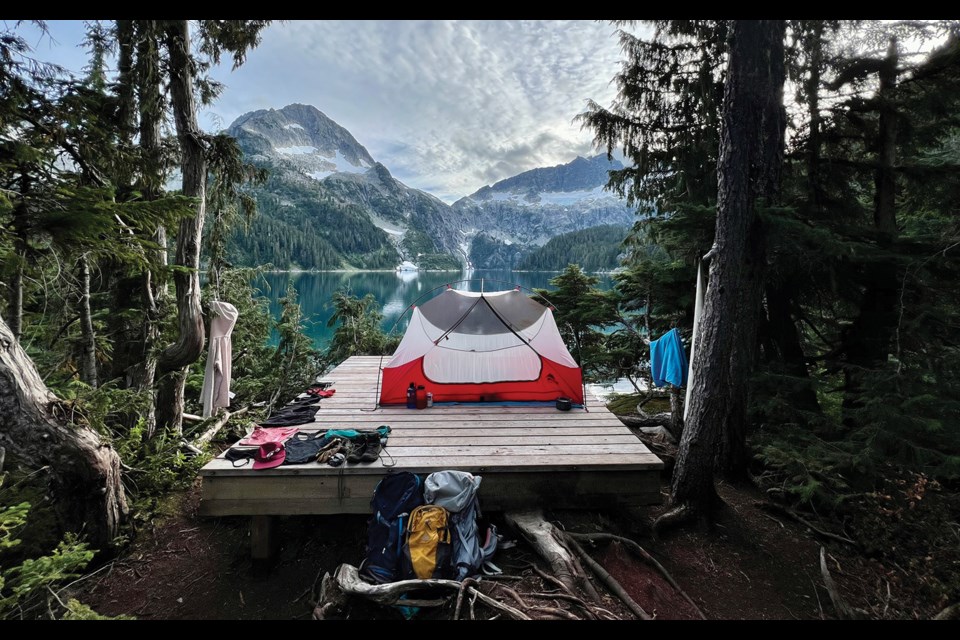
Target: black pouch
(235, 455)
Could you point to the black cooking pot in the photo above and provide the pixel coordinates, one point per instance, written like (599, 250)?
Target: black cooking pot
(564, 404)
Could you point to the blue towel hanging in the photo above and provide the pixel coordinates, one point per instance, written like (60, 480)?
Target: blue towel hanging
(668, 360)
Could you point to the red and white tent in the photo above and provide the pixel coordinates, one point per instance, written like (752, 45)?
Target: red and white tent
(483, 347)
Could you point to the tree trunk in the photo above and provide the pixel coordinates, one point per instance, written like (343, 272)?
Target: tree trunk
(814, 46)
(126, 105)
(84, 471)
(20, 256)
(170, 400)
(867, 341)
(138, 93)
(764, 181)
(676, 413)
(88, 349)
(189, 344)
(731, 452)
(747, 98)
(16, 298)
(151, 112)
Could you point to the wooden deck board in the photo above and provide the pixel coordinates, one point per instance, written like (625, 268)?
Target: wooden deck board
(527, 454)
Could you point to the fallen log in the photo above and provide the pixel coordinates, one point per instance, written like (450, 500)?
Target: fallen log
(349, 582)
(218, 422)
(331, 599)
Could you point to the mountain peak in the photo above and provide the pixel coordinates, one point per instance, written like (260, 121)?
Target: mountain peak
(580, 174)
(301, 130)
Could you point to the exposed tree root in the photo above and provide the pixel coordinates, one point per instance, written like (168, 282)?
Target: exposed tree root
(463, 586)
(676, 517)
(649, 559)
(556, 612)
(656, 420)
(608, 580)
(790, 513)
(513, 595)
(552, 580)
(563, 596)
(543, 537)
(507, 609)
(560, 548)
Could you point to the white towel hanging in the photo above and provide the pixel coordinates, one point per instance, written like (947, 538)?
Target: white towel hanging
(216, 377)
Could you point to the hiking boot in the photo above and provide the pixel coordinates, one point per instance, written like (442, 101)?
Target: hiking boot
(372, 452)
(356, 447)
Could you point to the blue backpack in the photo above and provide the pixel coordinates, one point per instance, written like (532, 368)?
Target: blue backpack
(395, 497)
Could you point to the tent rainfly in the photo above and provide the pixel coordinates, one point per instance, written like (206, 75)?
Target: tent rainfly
(483, 347)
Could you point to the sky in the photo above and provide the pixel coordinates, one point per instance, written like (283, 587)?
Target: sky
(446, 106)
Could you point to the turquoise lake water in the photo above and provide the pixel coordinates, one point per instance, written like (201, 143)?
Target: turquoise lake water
(395, 292)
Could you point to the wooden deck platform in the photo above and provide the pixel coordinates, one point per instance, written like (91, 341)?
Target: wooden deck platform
(527, 456)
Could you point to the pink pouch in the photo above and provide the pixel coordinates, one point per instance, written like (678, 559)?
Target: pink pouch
(262, 435)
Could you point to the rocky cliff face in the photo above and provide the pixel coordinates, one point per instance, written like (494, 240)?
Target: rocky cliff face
(530, 208)
(307, 151)
(314, 160)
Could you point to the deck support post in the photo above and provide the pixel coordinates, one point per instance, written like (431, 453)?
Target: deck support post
(262, 537)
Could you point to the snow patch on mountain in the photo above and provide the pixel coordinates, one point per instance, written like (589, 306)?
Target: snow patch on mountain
(338, 164)
(567, 198)
(391, 229)
(558, 198)
(295, 151)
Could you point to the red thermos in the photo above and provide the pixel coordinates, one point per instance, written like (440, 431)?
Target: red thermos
(421, 397)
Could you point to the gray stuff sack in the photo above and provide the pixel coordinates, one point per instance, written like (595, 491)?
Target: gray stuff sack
(456, 491)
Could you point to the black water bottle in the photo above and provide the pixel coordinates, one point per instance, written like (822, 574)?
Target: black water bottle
(412, 396)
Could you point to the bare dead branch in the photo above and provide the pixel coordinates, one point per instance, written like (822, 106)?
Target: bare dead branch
(843, 610)
(217, 423)
(790, 513)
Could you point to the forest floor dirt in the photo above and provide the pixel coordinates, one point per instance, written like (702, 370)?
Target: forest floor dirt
(751, 565)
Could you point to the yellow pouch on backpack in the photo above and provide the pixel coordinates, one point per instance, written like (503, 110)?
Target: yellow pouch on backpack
(427, 548)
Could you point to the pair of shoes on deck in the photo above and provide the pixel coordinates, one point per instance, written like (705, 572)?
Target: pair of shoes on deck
(364, 449)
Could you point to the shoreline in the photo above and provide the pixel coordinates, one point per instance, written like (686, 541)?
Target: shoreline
(423, 271)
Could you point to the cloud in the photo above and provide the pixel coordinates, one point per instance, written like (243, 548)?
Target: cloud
(447, 106)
